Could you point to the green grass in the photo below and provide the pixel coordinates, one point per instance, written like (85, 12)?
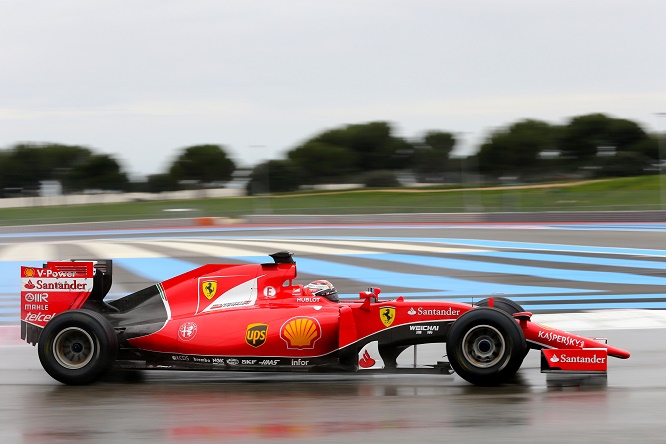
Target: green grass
(635, 193)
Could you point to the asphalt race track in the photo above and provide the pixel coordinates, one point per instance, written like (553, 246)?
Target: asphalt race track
(565, 274)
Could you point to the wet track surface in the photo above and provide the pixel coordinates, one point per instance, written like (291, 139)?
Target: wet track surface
(162, 406)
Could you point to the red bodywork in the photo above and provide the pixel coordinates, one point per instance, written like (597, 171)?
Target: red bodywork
(57, 287)
(231, 314)
(250, 298)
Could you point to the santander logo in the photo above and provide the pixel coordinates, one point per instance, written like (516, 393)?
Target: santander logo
(366, 361)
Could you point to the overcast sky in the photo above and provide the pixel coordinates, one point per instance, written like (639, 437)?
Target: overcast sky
(143, 79)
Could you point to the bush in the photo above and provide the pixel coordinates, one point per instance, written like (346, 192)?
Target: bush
(380, 179)
(624, 164)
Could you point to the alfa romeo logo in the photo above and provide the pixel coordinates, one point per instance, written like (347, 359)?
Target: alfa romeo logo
(187, 331)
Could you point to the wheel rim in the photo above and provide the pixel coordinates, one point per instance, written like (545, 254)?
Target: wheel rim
(483, 346)
(73, 348)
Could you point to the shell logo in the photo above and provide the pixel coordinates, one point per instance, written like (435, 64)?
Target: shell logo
(29, 272)
(301, 332)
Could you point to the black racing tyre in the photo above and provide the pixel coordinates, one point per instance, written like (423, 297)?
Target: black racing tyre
(503, 304)
(486, 346)
(77, 347)
(506, 305)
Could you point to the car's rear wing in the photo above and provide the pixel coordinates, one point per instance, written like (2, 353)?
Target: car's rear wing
(60, 286)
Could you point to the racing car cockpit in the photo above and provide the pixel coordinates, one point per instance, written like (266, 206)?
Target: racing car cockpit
(322, 288)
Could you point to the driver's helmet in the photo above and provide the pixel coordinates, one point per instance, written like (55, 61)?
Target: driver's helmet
(323, 288)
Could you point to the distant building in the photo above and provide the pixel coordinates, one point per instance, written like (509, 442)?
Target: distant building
(50, 188)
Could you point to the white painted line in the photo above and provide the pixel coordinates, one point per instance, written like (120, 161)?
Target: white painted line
(280, 245)
(604, 320)
(206, 249)
(112, 250)
(401, 246)
(29, 251)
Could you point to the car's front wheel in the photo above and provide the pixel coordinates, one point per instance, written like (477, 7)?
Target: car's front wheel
(506, 305)
(77, 347)
(485, 346)
(503, 304)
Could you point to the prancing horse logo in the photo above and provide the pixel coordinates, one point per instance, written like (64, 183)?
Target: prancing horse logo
(209, 288)
(387, 315)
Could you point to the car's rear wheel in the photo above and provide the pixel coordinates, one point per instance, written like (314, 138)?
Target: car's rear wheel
(485, 346)
(77, 347)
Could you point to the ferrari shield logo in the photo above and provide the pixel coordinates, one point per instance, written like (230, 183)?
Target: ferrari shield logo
(387, 315)
(209, 288)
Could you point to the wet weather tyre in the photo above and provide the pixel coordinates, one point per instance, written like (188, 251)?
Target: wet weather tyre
(77, 347)
(486, 346)
(504, 304)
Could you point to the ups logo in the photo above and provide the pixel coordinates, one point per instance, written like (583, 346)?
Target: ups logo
(255, 335)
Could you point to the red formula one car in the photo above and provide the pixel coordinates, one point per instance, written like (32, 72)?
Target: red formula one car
(253, 318)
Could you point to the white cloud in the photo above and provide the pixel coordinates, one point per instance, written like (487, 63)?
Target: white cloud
(142, 79)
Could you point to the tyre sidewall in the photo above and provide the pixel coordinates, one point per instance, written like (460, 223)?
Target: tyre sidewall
(514, 339)
(104, 339)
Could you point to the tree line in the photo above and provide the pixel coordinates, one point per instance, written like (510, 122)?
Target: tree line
(593, 145)
(25, 166)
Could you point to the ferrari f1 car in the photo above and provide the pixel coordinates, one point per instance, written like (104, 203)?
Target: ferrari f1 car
(252, 317)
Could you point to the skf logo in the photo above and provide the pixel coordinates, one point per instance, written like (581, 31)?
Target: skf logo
(209, 288)
(255, 335)
(387, 315)
(301, 332)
